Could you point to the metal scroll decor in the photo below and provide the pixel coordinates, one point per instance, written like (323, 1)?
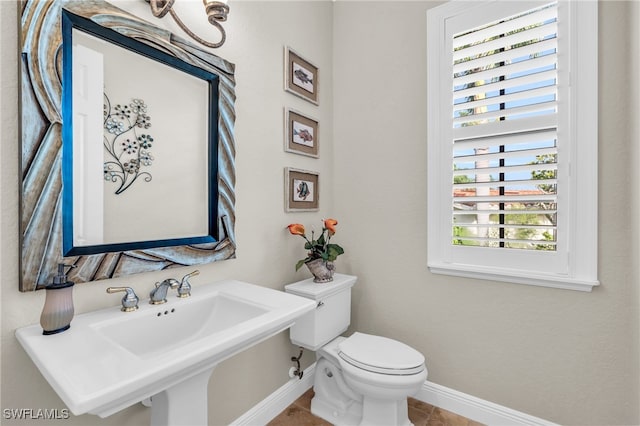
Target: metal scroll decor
(41, 147)
(128, 151)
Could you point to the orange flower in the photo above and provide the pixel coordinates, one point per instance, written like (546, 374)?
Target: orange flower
(296, 229)
(330, 224)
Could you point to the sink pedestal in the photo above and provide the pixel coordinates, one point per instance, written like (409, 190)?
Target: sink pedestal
(183, 404)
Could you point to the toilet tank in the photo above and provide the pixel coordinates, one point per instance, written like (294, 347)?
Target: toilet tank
(332, 315)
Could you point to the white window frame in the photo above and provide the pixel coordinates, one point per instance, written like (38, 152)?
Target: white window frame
(574, 264)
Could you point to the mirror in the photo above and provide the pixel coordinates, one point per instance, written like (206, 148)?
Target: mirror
(135, 181)
(129, 183)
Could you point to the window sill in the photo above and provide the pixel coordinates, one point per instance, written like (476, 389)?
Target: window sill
(512, 276)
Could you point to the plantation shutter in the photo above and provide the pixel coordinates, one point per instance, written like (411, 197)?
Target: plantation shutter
(504, 125)
(512, 141)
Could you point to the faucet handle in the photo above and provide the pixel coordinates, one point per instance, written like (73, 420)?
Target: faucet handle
(129, 300)
(191, 274)
(185, 287)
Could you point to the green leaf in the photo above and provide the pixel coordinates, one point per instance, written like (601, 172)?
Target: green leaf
(333, 251)
(300, 263)
(336, 249)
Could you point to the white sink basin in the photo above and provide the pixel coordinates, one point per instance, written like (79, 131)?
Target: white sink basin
(170, 326)
(109, 360)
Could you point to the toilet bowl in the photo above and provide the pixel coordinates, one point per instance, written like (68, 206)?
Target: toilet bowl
(334, 400)
(363, 379)
(356, 391)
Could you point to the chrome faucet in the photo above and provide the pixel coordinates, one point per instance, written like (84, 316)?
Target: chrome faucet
(184, 290)
(159, 294)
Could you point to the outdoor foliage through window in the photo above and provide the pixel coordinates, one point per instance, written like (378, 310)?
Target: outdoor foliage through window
(505, 181)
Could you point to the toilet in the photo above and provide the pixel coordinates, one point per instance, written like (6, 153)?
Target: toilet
(359, 380)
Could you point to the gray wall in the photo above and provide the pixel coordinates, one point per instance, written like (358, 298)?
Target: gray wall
(566, 356)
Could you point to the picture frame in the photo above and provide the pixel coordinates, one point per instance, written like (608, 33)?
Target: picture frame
(302, 190)
(300, 76)
(301, 133)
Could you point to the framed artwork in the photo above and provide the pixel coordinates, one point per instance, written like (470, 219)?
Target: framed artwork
(300, 133)
(300, 76)
(301, 190)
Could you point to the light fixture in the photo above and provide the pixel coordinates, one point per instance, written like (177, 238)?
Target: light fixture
(217, 12)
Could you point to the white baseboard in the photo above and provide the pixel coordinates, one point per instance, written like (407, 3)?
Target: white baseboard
(474, 408)
(440, 396)
(267, 409)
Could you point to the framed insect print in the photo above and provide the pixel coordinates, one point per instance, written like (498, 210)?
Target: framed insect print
(301, 190)
(300, 76)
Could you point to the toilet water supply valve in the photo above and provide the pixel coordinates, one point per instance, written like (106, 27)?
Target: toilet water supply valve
(296, 371)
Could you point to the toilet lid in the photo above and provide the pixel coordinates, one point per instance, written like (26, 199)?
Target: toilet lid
(381, 355)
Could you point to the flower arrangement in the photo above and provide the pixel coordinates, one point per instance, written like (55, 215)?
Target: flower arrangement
(320, 248)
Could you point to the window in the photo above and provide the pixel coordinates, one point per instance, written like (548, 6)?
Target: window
(512, 141)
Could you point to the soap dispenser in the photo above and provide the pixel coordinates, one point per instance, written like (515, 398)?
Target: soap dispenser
(57, 312)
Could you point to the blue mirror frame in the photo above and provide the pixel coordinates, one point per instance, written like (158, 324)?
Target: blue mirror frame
(70, 22)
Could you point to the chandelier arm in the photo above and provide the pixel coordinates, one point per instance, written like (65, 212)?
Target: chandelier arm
(223, 34)
(159, 8)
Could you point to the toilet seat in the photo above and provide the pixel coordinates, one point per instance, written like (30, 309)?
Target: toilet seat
(381, 355)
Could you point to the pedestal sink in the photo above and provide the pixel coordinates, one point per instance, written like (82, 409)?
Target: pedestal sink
(109, 360)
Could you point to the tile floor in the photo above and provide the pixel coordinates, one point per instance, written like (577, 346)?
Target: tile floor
(420, 413)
